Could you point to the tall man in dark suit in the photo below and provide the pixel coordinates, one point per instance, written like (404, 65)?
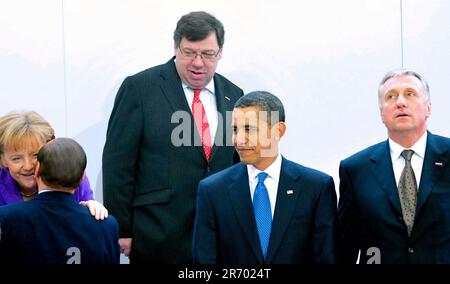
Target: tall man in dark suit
(53, 228)
(167, 132)
(265, 209)
(394, 204)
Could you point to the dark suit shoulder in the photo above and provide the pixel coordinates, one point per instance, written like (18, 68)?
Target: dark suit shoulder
(151, 73)
(304, 172)
(15, 210)
(442, 140)
(227, 84)
(360, 158)
(83, 213)
(136, 86)
(218, 179)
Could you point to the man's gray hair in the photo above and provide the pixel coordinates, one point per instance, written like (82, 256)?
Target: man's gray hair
(404, 72)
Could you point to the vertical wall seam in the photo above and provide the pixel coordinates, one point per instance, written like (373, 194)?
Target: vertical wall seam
(401, 32)
(64, 71)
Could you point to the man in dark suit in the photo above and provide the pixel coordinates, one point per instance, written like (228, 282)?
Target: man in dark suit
(167, 132)
(394, 204)
(53, 228)
(265, 209)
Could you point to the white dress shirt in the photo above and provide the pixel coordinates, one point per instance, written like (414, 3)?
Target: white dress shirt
(208, 99)
(398, 162)
(271, 181)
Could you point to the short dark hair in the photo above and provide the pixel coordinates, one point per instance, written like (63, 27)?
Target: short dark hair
(62, 163)
(197, 26)
(265, 101)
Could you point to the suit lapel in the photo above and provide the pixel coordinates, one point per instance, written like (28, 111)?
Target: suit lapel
(172, 88)
(241, 201)
(284, 207)
(384, 174)
(434, 165)
(173, 91)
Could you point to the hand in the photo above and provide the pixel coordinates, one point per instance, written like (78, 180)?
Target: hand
(125, 245)
(96, 209)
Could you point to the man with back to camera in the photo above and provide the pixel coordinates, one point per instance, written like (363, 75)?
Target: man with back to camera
(53, 228)
(394, 204)
(149, 180)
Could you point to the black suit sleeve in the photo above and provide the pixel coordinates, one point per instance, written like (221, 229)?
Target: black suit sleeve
(325, 225)
(120, 154)
(348, 235)
(204, 244)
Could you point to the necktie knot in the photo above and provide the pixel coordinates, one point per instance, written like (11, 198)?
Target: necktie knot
(197, 92)
(407, 154)
(261, 177)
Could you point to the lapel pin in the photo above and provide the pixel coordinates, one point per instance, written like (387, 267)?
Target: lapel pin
(227, 98)
(439, 164)
(289, 191)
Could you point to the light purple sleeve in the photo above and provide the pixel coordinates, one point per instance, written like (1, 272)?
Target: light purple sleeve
(84, 191)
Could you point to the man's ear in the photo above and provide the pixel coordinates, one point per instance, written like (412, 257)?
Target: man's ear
(280, 130)
(428, 108)
(37, 170)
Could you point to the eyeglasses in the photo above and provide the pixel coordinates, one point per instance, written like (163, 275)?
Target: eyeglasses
(191, 54)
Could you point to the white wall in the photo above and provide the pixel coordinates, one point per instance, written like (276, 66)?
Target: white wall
(324, 59)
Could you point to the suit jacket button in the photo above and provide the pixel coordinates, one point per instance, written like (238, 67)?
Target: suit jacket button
(410, 250)
(208, 169)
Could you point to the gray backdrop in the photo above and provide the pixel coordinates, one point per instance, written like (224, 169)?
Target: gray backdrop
(323, 58)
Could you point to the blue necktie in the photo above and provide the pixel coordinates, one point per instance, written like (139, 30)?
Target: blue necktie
(263, 212)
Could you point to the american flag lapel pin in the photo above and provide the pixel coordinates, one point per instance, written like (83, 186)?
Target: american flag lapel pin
(289, 191)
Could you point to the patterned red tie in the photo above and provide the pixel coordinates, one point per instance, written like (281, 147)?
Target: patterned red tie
(202, 123)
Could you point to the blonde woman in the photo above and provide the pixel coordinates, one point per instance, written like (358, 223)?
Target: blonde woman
(22, 134)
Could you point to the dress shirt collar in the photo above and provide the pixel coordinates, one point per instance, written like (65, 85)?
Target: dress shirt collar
(272, 171)
(418, 148)
(210, 87)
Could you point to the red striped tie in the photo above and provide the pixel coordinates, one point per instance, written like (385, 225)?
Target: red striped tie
(202, 123)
